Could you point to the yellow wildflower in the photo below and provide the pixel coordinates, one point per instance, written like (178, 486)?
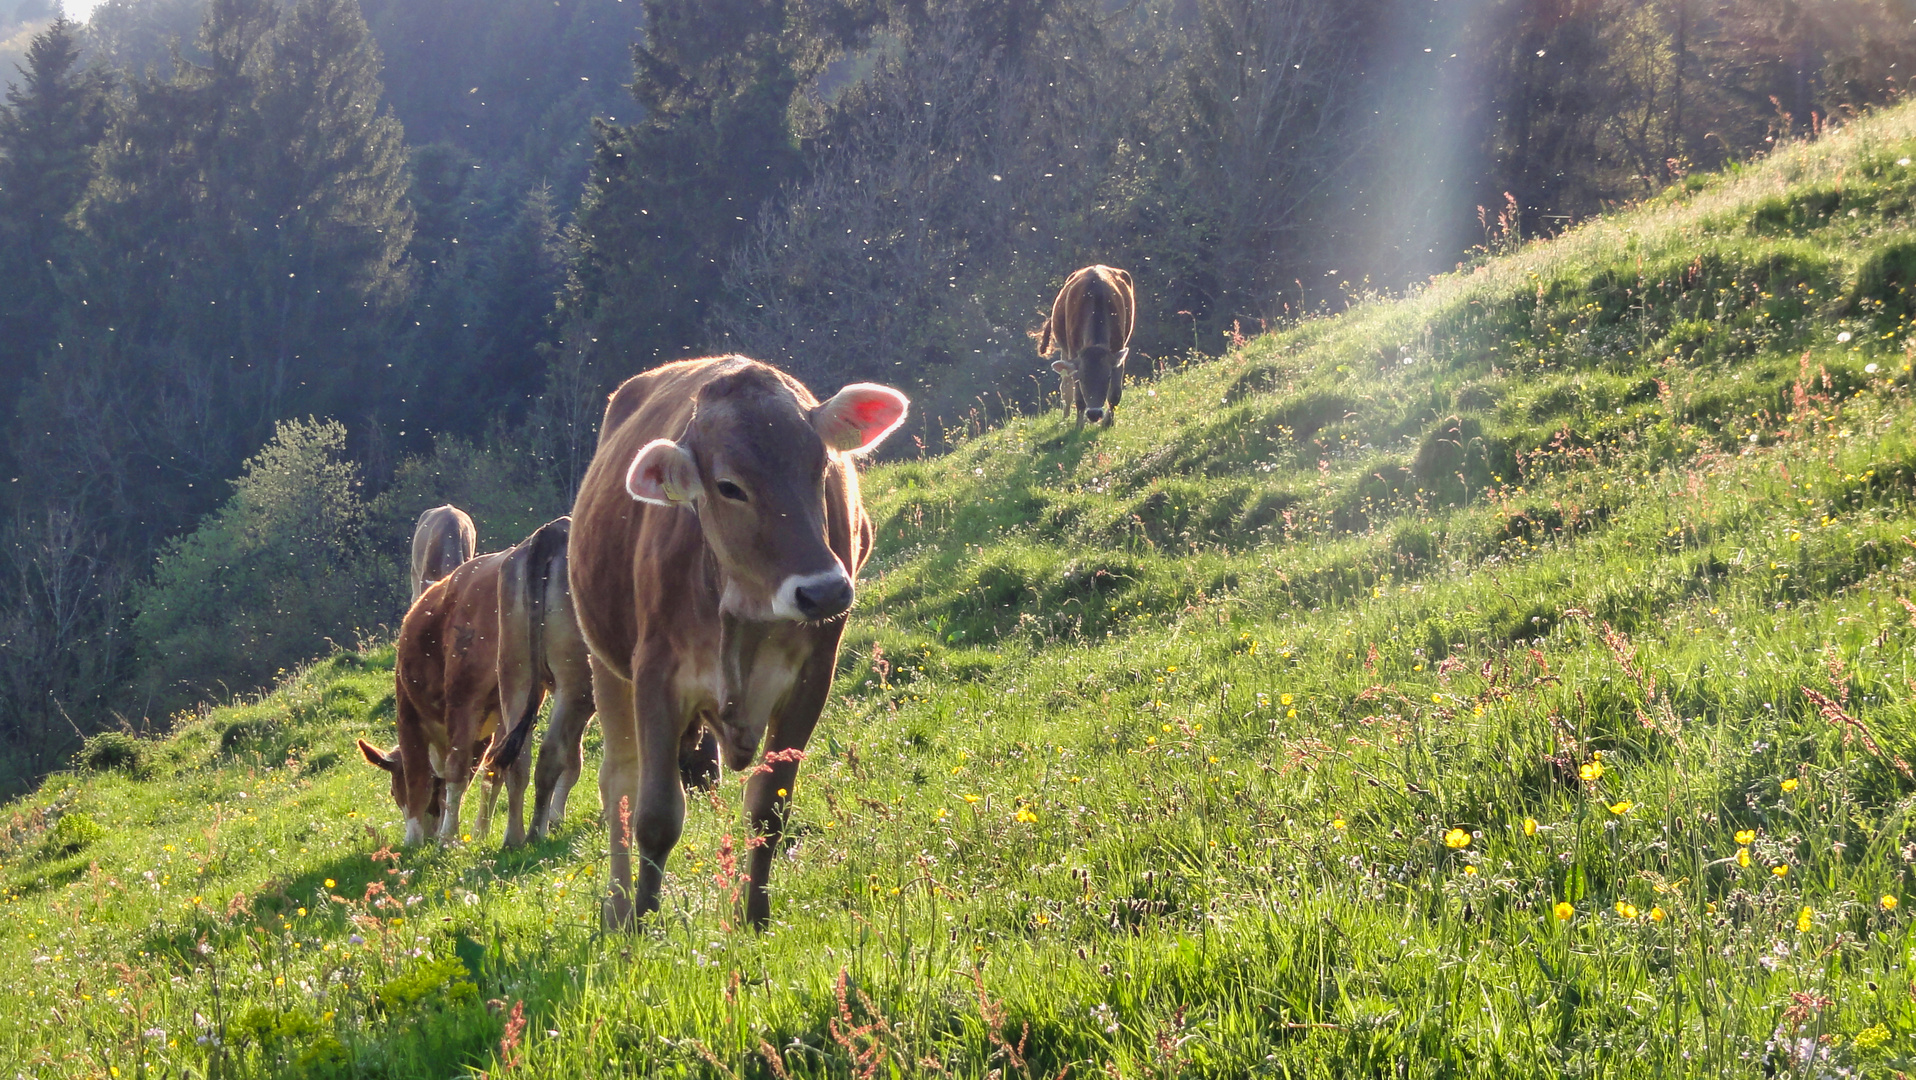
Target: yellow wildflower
(1337, 823)
(329, 883)
(1622, 807)
(1530, 826)
(1626, 909)
(1803, 922)
(1789, 784)
(1457, 838)
(1780, 871)
(1889, 902)
(1744, 836)
(1742, 856)
(1591, 771)
(1564, 911)
(972, 798)
(1657, 914)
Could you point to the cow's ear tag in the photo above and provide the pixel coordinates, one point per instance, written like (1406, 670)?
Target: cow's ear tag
(858, 418)
(663, 474)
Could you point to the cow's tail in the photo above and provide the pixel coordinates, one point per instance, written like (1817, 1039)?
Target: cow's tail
(534, 575)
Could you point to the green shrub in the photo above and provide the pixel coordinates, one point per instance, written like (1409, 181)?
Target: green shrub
(72, 833)
(114, 751)
(268, 580)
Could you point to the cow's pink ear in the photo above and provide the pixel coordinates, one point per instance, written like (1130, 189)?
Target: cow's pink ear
(663, 474)
(1062, 367)
(388, 762)
(858, 418)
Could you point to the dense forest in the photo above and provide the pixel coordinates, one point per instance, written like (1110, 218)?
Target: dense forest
(274, 276)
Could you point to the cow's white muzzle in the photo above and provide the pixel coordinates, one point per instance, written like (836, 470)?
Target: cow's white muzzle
(813, 597)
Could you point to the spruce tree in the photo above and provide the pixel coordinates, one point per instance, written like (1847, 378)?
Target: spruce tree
(250, 225)
(49, 128)
(669, 197)
(525, 270)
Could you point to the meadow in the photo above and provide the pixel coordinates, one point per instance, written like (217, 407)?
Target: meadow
(1509, 679)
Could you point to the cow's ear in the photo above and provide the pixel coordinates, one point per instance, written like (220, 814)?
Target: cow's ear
(858, 418)
(1122, 353)
(1062, 367)
(388, 762)
(663, 474)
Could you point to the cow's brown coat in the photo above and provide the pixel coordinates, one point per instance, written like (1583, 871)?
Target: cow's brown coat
(1091, 322)
(715, 602)
(499, 622)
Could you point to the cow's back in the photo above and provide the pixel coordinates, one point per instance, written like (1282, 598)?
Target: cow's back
(442, 539)
(1097, 305)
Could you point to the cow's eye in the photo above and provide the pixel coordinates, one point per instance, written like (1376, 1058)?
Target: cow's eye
(731, 491)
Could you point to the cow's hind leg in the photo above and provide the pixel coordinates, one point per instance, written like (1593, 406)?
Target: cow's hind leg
(516, 776)
(561, 759)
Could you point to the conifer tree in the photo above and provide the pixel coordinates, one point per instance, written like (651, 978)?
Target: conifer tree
(250, 225)
(669, 197)
(526, 268)
(48, 130)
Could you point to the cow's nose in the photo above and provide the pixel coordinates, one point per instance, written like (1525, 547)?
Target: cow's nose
(824, 599)
(1094, 415)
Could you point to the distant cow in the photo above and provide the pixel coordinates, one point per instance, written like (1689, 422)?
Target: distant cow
(442, 538)
(482, 644)
(1091, 322)
(714, 544)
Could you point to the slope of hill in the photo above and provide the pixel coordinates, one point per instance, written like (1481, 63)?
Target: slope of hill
(1505, 680)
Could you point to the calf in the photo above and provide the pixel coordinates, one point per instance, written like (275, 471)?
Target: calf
(442, 538)
(1091, 322)
(714, 544)
(499, 622)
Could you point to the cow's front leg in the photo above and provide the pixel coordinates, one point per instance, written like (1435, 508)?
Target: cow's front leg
(456, 772)
(769, 793)
(639, 784)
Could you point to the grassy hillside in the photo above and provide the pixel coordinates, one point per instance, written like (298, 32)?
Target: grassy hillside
(1507, 680)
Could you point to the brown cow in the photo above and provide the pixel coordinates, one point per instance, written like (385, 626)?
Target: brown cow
(499, 620)
(540, 650)
(1091, 322)
(715, 540)
(441, 540)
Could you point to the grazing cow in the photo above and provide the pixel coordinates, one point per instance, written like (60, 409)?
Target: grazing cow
(715, 540)
(442, 538)
(500, 622)
(1091, 322)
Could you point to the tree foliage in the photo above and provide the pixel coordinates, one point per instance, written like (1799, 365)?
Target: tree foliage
(267, 580)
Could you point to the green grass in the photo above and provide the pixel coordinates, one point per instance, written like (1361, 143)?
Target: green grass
(1153, 748)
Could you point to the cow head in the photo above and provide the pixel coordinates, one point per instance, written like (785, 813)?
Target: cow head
(389, 760)
(1100, 376)
(754, 463)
